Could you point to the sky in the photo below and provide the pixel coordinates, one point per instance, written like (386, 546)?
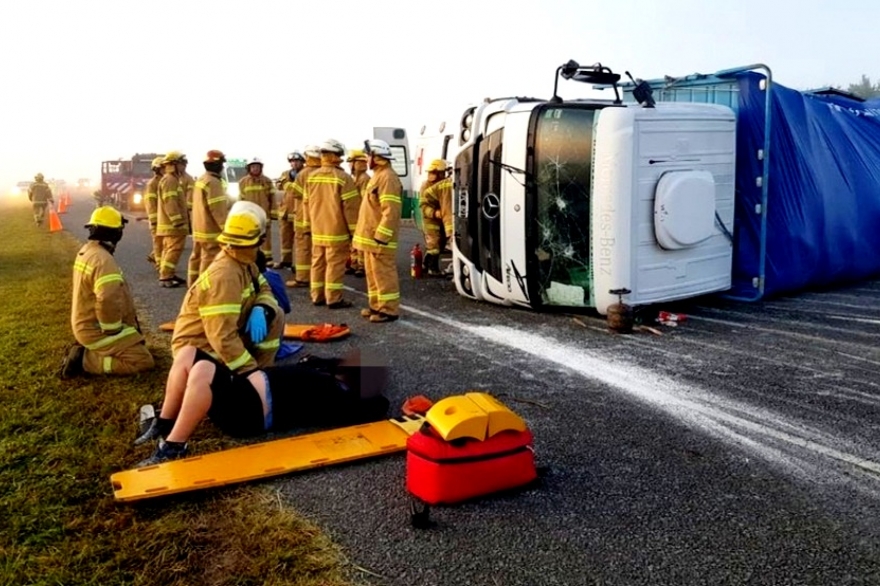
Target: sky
(89, 80)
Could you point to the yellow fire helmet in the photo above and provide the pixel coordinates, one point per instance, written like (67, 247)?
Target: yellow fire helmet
(173, 157)
(245, 225)
(438, 165)
(106, 216)
(356, 155)
(38, 177)
(157, 163)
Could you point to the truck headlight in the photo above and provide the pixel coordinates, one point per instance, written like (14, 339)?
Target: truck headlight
(138, 198)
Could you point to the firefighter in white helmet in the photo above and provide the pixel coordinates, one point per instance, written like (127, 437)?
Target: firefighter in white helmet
(286, 209)
(151, 205)
(172, 220)
(330, 213)
(210, 206)
(435, 202)
(102, 315)
(377, 234)
(302, 238)
(357, 160)
(230, 313)
(259, 189)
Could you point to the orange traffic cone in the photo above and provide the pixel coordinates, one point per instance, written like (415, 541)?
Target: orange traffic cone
(54, 221)
(62, 205)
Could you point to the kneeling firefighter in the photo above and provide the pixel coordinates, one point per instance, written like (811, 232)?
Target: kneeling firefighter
(103, 318)
(230, 312)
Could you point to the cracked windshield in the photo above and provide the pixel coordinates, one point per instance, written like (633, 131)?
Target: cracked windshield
(563, 163)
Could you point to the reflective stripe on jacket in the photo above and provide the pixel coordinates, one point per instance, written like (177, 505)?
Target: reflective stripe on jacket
(259, 190)
(151, 199)
(330, 206)
(210, 207)
(172, 218)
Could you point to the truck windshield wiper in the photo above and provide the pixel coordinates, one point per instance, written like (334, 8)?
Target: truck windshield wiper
(511, 169)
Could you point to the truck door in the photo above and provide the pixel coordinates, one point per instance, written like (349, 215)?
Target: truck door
(399, 143)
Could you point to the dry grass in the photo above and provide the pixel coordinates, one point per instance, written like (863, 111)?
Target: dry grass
(61, 440)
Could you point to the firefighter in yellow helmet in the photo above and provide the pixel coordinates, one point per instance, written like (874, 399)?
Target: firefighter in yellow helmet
(357, 160)
(330, 213)
(103, 318)
(151, 204)
(40, 196)
(172, 221)
(210, 207)
(286, 209)
(435, 201)
(293, 197)
(377, 234)
(230, 313)
(258, 188)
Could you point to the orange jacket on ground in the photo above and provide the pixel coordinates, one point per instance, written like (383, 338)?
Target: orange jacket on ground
(102, 315)
(173, 217)
(210, 207)
(214, 313)
(330, 206)
(379, 216)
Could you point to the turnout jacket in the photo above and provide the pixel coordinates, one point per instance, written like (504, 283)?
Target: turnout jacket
(330, 206)
(102, 315)
(151, 201)
(172, 217)
(210, 207)
(379, 217)
(436, 204)
(294, 193)
(215, 310)
(40, 193)
(259, 190)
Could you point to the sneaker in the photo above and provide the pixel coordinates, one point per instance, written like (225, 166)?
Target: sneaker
(173, 282)
(340, 305)
(379, 317)
(72, 363)
(165, 452)
(150, 432)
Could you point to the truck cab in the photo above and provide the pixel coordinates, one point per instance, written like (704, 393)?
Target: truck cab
(558, 203)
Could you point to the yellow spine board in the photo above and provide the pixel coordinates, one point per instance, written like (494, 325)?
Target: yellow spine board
(267, 459)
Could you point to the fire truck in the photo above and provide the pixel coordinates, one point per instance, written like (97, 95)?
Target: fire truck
(123, 181)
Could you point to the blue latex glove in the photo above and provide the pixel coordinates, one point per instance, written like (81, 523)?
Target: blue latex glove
(256, 325)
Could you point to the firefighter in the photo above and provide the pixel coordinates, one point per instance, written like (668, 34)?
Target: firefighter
(258, 188)
(172, 221)
(230, 312)
(108, 336)
(357, 160)
(377, 234)
(435, 201)
(40, 196)
(302, 237)
(151, 203)
(285, 211)
(210, 207)
(330, 213)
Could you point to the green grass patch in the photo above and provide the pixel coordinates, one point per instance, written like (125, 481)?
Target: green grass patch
(61, 440)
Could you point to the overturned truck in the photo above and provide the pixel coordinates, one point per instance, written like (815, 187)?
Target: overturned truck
(674, 188)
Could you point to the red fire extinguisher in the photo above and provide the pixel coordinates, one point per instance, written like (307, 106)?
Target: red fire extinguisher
(415, 267)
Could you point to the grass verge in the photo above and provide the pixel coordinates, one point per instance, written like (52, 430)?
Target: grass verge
(61, 440)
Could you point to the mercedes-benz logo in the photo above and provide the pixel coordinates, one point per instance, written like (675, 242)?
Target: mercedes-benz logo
(491, 206)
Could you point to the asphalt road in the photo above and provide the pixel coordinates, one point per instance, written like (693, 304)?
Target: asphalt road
(740, 447)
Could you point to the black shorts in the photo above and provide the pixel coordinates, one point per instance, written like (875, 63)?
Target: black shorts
(236, 407)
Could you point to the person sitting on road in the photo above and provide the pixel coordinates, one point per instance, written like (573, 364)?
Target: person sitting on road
(103, 318)
(230, 312)
(313, 392)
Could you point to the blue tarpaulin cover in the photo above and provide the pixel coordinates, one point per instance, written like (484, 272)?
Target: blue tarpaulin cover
(823, 212)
